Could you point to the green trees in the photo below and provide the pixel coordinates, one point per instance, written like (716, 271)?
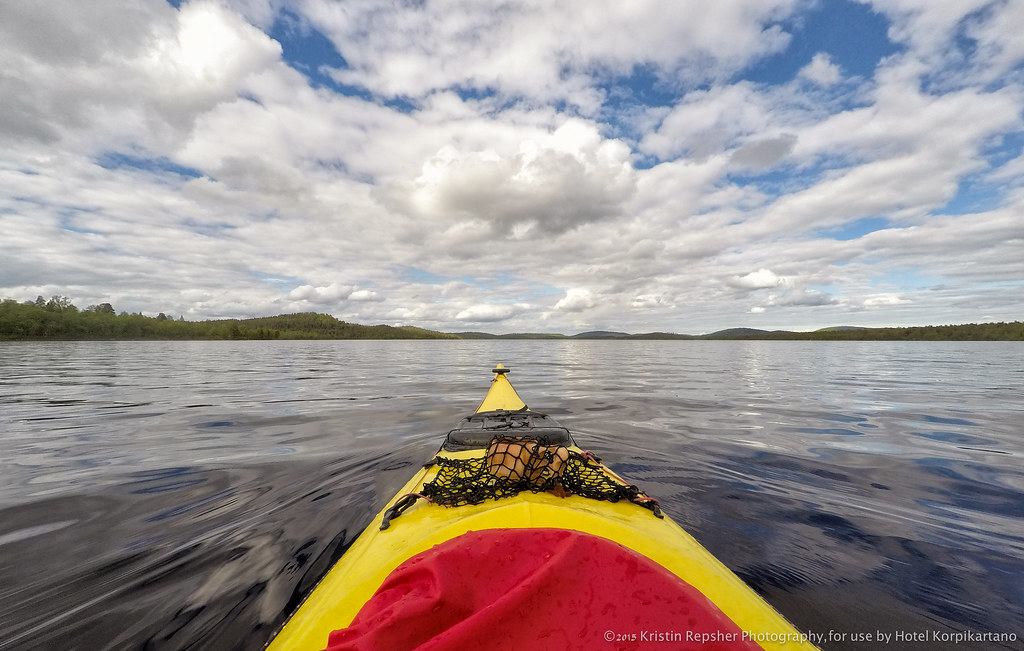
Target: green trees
(59, 304)
(58, 318)
(55, 318)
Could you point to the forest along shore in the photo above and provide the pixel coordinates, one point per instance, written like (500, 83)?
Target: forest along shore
(59, 319)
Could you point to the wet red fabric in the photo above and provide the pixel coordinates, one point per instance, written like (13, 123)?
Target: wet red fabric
(535, 589)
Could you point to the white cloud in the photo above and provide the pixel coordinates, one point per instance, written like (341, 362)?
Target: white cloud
(489, 312)
(997, 33)
(327, 294)
(899, 168)
(821, 70)
(546, 52)
(571, 178)
(365, 295)
(760, 279)
(118, 76)
(708, 121)
(881, 300)
(926, 26)
(576, 300)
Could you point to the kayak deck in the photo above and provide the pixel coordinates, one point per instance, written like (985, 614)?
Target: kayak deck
(423, 529)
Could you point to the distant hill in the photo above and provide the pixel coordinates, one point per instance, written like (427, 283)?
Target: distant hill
(1013, 331)
(514, 335)
(605, 334)
(662, 335)
(737, 332)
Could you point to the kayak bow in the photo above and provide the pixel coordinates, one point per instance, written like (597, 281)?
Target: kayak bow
(514, 537)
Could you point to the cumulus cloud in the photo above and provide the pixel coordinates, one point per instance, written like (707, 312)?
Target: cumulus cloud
(572, 178)
(576, 300)
(121, 76)
(821, 70)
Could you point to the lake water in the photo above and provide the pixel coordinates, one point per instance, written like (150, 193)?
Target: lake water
(171, 495)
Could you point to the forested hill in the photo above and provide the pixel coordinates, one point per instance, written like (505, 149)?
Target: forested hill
(1012, 331)
(58, 318)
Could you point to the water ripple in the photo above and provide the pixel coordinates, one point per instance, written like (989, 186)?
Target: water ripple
(171, 495)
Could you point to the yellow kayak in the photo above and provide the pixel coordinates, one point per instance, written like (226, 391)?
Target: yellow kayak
(513, 537)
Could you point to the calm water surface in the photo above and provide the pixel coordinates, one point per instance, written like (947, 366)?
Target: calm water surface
(172, 495)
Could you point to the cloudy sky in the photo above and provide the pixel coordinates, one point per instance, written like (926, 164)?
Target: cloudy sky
(518, 165)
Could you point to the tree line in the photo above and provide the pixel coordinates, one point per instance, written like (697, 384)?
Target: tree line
(59, 318)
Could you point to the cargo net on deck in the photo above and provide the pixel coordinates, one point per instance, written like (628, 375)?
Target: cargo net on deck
(516, 464)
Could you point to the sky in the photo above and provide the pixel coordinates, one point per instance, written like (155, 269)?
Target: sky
(518, 165)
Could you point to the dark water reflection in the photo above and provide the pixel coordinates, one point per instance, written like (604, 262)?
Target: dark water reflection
(187, 495)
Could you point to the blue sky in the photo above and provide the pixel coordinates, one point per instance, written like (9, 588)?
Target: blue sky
(514, 167)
